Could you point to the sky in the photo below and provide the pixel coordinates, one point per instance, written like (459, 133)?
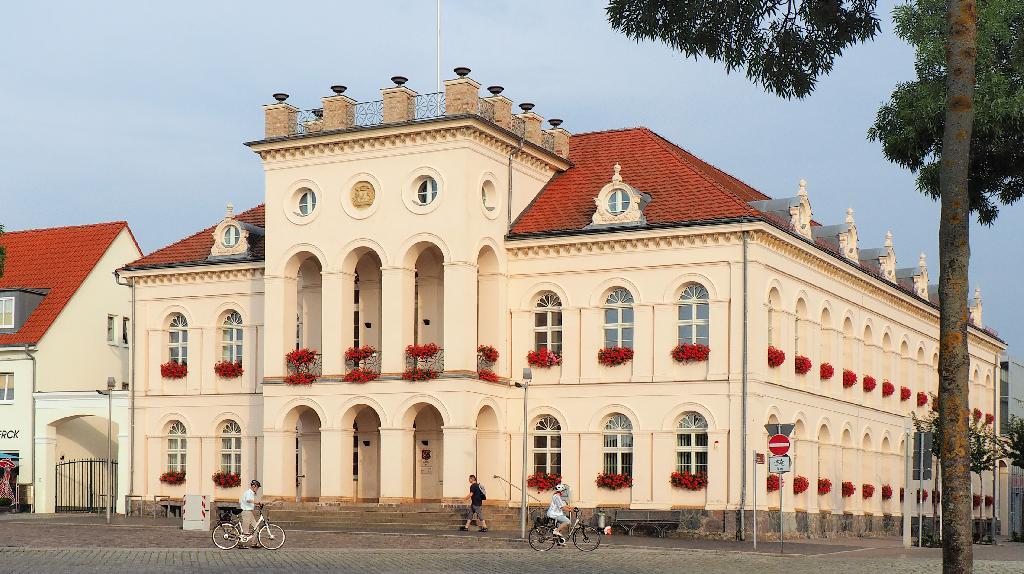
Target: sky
(138, 110)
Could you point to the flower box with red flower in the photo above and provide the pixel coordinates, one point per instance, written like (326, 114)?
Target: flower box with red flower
(772, 483)
(303, 367)
(543, 481)
(419, 374)
(849, 378)
(423, 362)
(848, 489)
(228, 369)
(301, 378)
(869, 383)
(226, 479)
(801, 365)
(976, 415)
(989, 501)
(689, 481)
(800, 485)
(922, 398)
(775, 357)
(612, 481)
(426, 351)
(614, 356)
(976, 500)
(360, 375)
(690, 353)
(173, 477)
(989, 418)
(922, 496)
(487, 375)
(824, 486)
(300, 357)
(888, 388)
(174, 370)
(487, 354)
(356, 355)
(826, 371)
(543, 358)
(904, 394)
(867, 490)
(886, 492)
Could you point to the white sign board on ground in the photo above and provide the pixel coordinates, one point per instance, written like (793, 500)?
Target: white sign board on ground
(196, 513)
(779, 464)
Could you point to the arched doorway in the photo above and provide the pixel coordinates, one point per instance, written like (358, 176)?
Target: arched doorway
(366, 299)
(366, 466)
(428, 452)
(491, 451)
(84, 477)
(304, 424)
(428, 314)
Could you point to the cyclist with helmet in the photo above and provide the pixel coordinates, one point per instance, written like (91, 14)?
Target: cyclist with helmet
(247, 502)
(556, 512)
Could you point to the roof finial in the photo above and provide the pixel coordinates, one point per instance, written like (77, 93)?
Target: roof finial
(921, 262)
(849, 215)
(803, 188)
(977, 295)
(617, 177)
(888, 238)
(231, 210)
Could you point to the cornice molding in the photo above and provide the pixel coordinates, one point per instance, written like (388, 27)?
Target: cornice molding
(199, 275)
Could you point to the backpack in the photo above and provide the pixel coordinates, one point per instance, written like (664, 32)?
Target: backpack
(483, 491)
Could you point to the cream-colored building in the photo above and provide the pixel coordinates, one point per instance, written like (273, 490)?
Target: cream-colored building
(447, 219)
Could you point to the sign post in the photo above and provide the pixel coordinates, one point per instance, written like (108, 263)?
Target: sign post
(779, 463)
(758, 459)
(922, 472)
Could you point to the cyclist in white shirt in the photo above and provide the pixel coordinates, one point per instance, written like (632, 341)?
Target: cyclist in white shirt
(556, 512)
(247, 502)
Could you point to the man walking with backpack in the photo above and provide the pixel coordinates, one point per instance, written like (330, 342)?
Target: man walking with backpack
(476, 497)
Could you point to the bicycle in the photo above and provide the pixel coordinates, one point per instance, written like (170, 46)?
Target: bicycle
(228, 533)
(586, 538)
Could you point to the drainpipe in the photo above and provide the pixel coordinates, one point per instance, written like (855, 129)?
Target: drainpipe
(131, 390)
(32, 423)
(508, 203)
(743, 408)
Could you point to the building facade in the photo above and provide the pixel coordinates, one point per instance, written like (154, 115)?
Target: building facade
(643, 286)
(1011, 478)
(64, 330)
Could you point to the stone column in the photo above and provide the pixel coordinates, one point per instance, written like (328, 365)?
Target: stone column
(44, 480)
(590, 466)
(663, 458)
(396, 447)
(335, 468)
(808, 467)
(492, 323)
(570, 345)
(460, 317)
(196, 362)
(398, 289)
(279, 320)
(459, 461)
(591, 339)
(645, 345)
(665, 337)
(279, 474)
(718, 468)
(336, 318)
(641, 492)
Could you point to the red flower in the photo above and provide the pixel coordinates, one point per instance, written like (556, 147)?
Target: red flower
(355, 355)
(775, 357)
(487, 375)
(614, 356)
(989, 501)
(867, 490)
(173, 477)
(886, 492)
(300, 378)
(360, 375)
(422, 351)
(922, 398)
(922, 496)
(869, 383)
(904, 394)
(849, 378)
(976, 414)
(824, 486)
(487, 354)
(801, 364)
(226, 479)
(543, 358)
(543, 481)
(888, 388)
(976, 500)
(419, 374)
(773, 482)
(989, 418)
(800, 485)
(826, 371)
(300, 357)
(690, 353)
(688, 481)
(848, 489)
(173, 370)
(613, 481)
(228, 369)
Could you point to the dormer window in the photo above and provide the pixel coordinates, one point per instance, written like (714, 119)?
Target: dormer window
(618, 202)
(231, 236)
(6, 312)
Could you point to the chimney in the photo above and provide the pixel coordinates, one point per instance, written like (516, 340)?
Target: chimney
(339, 110)
(462, 94)
(502, 107)
(532, 121)
(279, 118)
(399, 101)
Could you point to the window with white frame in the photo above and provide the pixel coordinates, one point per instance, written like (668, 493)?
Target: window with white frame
(693, 325)
(177, 339)
(307, 202)
(547, 323)
(6, 312)
(177, 445)
(618, 445)
(6, 387)
(692, 444)
(618, 319)
(111, 329)
(125, 326)
(231, 447)
(231, 338)
(547, 445)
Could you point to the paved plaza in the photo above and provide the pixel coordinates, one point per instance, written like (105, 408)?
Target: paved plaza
(84, 544)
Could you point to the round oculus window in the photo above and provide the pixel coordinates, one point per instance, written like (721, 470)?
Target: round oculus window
(231, 236)
(426, 193)
(307, 202)
(618, 202)
(487, 196)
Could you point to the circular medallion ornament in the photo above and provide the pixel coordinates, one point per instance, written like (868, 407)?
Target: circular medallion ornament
(363, 195)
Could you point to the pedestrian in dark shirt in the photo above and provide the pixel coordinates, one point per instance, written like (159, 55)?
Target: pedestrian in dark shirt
(476, 497)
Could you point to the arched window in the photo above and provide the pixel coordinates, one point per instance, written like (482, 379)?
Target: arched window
(618, 445)
(692, 444)
(231, 338)
(618, 319)
(547, 445)
(177, 341)
(693, 315)
(177, 445)
(231, 447)
(547, 323)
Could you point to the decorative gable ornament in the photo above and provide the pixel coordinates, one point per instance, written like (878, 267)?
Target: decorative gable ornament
(887, 262)
(975, 309)
(848, 238)
(230, 237)
(800, 213)
(619, 204)
(921, 279)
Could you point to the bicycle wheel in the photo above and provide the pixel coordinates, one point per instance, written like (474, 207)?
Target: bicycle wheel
(225, 536)
(541, 538)
(586, 538)
(271, 536)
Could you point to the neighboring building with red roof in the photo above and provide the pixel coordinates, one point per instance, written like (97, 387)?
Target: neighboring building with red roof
(64, 329)
(420, 252)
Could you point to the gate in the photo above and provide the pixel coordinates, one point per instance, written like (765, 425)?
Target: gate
(84, 485)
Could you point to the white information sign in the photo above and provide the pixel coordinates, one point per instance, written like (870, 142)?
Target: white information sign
(779, 464)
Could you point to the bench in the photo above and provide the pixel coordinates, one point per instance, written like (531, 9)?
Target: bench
(660, 521)
(172, 507)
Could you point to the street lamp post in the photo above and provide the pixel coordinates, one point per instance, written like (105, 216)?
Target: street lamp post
(525, 385)
(111, 384)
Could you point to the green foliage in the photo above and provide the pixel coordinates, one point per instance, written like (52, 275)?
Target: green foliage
(986, 448)
(910, 125)
(1015, 441)
(785, 45)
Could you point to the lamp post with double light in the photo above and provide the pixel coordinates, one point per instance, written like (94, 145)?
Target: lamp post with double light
(109, 392)
(525, 385)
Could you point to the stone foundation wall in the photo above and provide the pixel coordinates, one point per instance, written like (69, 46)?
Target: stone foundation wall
(723, 524)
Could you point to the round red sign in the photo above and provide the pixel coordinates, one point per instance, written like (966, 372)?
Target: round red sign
(778, 444)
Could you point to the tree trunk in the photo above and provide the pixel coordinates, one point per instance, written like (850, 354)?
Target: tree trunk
(954, 258)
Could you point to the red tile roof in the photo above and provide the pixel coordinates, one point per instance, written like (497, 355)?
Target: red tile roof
(57, 259)
(682, 186)
(196, 247)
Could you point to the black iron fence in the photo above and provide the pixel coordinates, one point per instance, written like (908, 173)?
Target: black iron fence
(85, 485)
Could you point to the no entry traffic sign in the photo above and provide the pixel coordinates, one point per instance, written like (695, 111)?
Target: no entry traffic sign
(778, 444)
